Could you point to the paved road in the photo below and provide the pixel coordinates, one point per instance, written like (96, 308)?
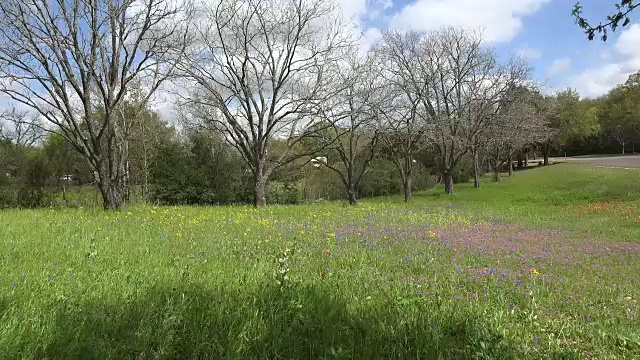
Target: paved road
(627, 161)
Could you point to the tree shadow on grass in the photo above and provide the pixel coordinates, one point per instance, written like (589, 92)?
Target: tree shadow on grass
(302, 323)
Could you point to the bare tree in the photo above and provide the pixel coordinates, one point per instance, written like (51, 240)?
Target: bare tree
(351, 139)
(449, 60)
(464, 90)
(20, 128)
(402, 121)
(522, 120)
(73, 61)
(261, 67)
(488, 86)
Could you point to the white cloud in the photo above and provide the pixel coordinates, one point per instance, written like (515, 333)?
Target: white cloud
(360, 9)
(559, 66)
(599, 80)
(501, 20)
(358, 12)
(529, 53)
(353, 9)
(369, 38)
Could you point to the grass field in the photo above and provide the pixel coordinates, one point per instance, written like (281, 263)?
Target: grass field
(543, 265)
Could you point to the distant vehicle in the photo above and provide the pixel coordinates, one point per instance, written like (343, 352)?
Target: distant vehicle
(318, 161)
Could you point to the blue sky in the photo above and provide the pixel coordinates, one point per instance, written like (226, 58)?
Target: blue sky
(541, 30)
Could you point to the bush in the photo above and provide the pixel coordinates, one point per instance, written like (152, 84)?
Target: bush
(7, 197)
(34, 197)
(463, 172)
(282, 193)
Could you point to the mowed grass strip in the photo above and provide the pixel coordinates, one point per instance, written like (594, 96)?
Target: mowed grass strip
(543, 265)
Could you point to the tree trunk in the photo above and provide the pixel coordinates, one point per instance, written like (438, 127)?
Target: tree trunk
(526, 160)
(64, 192)
(510, 164)
(448, 182)
(546, 154)
(111, 195)
(352, 196)
(520, 162)
(496, 171)
(476, 169)
(259, 190)
(407, 188)
(633, 139)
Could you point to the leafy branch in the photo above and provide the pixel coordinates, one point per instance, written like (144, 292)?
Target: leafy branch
(613, 21)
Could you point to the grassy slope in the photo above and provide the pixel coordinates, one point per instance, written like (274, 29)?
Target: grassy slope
(558, 197)
(382, 280)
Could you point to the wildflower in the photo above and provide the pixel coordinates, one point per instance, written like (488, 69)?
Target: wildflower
(535, 340)
(14, 284)
(249, 255)
(70, 275)
(327, 252)
(534, 272)
(50, 276)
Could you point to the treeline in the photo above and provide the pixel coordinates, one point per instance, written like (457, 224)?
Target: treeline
(606, 125)
(276, 102)
(165, 166)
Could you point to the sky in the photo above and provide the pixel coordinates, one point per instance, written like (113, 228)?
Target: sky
(543, 31)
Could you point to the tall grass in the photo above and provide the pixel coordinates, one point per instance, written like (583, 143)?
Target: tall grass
(515, 270)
